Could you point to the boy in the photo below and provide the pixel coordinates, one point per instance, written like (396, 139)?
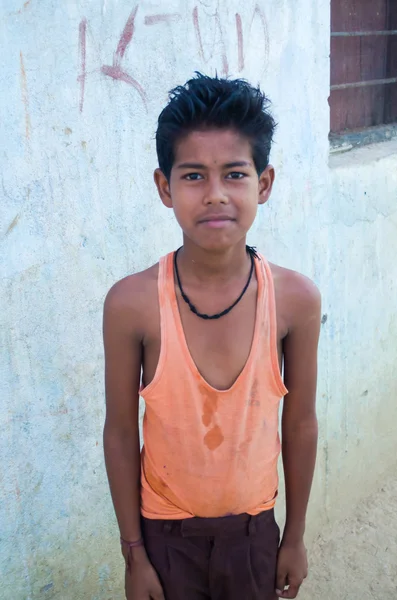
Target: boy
(209, 327)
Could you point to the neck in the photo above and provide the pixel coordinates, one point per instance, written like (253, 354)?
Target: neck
(207, 265)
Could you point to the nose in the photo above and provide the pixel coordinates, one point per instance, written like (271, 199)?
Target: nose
(215, 192)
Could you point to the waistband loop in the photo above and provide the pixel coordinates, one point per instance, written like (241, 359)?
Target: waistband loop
(252, 526)
(167, 527)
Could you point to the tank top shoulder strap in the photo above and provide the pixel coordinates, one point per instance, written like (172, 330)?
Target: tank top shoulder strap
(166, 295)
(271, 317)
(164, 278)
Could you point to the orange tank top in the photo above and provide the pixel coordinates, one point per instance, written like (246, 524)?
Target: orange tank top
(211, 453)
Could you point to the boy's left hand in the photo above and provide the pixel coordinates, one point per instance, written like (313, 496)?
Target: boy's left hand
(291, 569)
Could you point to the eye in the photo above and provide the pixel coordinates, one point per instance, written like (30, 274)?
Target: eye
(193, 177)
(236, 175)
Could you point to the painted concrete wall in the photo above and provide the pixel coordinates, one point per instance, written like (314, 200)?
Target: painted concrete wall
(84, 82)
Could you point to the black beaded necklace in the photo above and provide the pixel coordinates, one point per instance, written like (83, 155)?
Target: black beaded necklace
(253, 254)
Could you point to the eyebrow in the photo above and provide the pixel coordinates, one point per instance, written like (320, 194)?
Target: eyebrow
(238, 163)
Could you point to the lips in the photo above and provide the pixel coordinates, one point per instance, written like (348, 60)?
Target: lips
(215, 219)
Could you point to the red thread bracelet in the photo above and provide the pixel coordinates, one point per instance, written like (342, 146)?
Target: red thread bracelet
(135, 544)
(130, 545)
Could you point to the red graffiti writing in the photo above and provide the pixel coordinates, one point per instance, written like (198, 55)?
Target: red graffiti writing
(82, 52)
(196, 23)
(126, 36)
(258, 12)
(154, 19)
(115, 71)
(240, 42)
(118, 73)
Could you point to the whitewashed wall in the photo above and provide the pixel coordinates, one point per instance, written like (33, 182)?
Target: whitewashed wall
(82, 84)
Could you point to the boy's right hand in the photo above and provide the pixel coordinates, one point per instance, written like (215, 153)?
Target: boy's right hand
(142, 582)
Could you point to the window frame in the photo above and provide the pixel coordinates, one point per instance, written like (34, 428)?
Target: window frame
(348, 138)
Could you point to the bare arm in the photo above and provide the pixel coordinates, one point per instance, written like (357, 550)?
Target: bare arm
(123, 348)
(299, 422)
(299, 429)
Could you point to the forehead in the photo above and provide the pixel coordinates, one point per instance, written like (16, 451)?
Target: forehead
(213, 145)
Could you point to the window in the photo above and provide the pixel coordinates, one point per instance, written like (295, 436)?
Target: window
(363, 64)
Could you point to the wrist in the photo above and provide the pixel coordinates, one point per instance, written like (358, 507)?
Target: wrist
(133, 552)
(134, 555)
(293, 533)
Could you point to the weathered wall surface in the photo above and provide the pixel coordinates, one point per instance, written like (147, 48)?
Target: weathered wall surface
(84, 82)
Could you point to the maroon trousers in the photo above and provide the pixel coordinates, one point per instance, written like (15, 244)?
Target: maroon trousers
(227, 558)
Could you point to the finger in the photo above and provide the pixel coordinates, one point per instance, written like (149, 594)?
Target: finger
(281, 582)
(292, 591)
(157, 595)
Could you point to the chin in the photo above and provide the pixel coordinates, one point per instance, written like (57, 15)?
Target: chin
(216, 244)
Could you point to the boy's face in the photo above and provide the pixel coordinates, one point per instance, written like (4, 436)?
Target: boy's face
(214, 188)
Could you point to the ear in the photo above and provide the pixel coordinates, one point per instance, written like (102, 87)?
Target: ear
(163, 187)
(266, 180)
